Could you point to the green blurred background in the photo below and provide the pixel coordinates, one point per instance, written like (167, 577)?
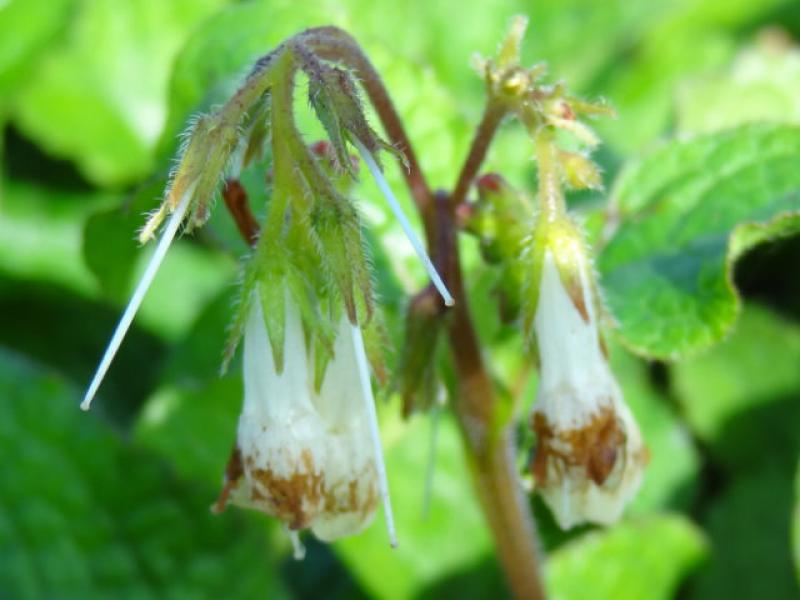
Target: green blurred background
(114, 504)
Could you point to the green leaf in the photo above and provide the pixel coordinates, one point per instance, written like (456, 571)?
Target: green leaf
(63, 330)
(85, 515)
(687, 212)
(749, 526)
(741, 398)
(762, 84)
(27, 27)
(669, 43)
(109, 249)
(46, 222)
(637, 559)
(670, 478)
(193, 398)
(451, 536)
(99, 98)
(194, 426)
(796, 524)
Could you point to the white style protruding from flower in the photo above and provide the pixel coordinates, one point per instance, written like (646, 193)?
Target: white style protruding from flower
(135, 302)
(310, 458)
(394, 205)
(590, 455)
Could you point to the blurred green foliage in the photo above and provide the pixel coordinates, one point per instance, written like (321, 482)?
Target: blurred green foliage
(93, 96)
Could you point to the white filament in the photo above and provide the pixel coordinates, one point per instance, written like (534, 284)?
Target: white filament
(138, 295)
(298, 549)
(369, 404)
(383, 185)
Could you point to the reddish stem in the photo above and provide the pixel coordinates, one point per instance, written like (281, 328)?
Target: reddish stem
(235, 197)
(492, 117)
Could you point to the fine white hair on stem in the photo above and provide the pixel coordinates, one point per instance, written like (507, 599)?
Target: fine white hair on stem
(383, 185)
(138, 295)
(369, 405)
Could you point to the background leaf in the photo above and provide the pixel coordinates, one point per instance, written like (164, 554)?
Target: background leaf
(86, 515)
(666, 271)
(741, 398)
(27, 27)
(100, 98)
(749, 526)
(638, 559)
(762, 84)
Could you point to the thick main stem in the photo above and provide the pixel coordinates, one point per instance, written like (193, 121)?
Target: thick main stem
(490, 443)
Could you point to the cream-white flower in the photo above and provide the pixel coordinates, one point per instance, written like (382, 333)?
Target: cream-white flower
(310, 458)
(590, 455)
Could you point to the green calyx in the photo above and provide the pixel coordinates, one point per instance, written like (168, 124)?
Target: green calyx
(566, 244)
(502, 219)
(311, 249)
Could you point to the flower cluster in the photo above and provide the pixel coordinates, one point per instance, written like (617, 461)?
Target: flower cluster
(307, 448)
(589, 455)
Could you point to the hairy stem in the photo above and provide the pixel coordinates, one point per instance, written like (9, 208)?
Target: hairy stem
(492, 117)
(551, 196)
(490, 444)
(335, 44)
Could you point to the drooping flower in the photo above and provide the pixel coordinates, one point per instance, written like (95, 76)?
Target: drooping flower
(308, 448)
(589, 456)
(305, 456)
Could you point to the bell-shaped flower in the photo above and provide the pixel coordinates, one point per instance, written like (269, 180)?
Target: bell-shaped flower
(589, 456)
(308, 457)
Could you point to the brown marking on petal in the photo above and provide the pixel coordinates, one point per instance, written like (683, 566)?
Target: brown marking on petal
(298, 499)
(233, 472)
(352, 492)
(575, 292)
(603, 347)
(595, 447)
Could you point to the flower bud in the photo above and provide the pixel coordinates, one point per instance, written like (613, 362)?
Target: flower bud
(580, 172)
(304, 456)
(589, 456)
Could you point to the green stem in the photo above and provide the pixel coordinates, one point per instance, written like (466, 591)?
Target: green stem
(551, 195)
(490, 444)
